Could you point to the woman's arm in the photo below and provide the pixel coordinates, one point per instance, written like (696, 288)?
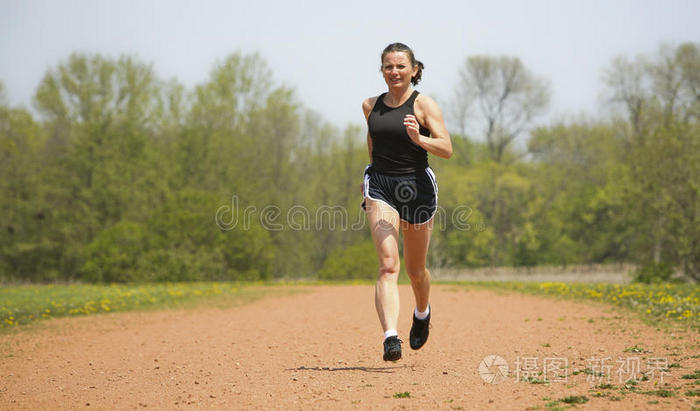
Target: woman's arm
(429, 114)
(367, 107)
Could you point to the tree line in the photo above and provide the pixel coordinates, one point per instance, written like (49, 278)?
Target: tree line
(121, 175)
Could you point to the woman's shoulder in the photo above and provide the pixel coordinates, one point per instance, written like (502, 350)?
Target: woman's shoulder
(424, 101)
(425, 104)
(368, 104)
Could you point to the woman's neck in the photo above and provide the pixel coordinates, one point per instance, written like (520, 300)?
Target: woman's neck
(398, 97)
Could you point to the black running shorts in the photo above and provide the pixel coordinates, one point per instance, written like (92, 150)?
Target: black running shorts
(413, 196)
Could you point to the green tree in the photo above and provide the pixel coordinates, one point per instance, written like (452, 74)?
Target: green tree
(660, 166)
(25, 252)
(575, 174)
(101, 115)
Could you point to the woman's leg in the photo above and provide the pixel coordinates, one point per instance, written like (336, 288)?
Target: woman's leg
(416, 239)
(384, 225)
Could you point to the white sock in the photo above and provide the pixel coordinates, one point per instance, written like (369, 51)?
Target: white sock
(421, 316)
(390, 333)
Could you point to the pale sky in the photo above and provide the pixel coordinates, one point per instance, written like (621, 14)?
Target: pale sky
(329, 52)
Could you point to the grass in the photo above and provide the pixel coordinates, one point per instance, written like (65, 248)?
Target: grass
(635, 349)
(554, 406)
(661, 393)
(575, 399)
(24, 304)
(588, 371)
(535, 380)
(694, 376)
(404, 394)
(676, 303)
(572, 400)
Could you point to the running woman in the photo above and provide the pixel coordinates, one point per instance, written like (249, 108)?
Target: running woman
(400, 190)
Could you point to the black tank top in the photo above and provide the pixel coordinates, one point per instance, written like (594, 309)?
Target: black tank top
(393, 152)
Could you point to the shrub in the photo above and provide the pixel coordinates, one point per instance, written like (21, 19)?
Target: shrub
(653, 273)
(358, 261)
(112, 256)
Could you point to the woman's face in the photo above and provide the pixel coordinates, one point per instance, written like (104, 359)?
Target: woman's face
(397, 69)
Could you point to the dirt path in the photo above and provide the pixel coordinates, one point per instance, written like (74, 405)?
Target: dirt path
(322, 349)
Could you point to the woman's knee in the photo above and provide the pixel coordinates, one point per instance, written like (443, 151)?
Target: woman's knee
(388, 267)
(417, 272)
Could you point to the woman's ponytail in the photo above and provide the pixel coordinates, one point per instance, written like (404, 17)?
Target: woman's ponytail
(415, 79)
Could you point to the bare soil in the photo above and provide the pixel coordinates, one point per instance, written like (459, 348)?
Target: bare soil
(323, 349)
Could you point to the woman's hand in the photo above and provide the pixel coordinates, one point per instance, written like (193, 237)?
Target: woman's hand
(412, 128)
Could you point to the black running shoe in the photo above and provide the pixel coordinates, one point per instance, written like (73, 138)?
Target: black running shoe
(419, 331)
(392, 349)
